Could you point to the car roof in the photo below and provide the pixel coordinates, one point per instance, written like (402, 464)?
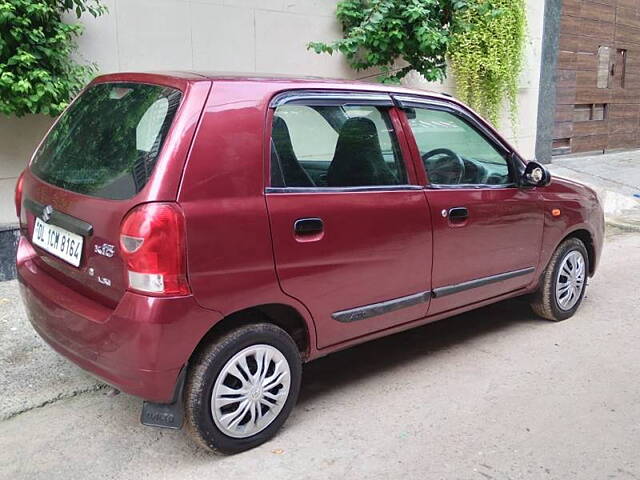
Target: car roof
(278, 80)
(328, 82)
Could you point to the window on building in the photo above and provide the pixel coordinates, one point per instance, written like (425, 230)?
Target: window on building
(590, 112)
(561, 146)
(604, 62)
(620, 68)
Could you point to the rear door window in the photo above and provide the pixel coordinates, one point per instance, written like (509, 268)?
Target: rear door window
(107, 143)
(334, 146)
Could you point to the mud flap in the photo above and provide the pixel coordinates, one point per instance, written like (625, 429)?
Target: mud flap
(166, 415)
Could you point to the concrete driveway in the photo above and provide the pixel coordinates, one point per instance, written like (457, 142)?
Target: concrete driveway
(616, 178)
(494, 394)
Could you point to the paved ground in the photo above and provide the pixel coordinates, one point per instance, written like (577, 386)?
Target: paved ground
(32, 374)
(621, 170)
(494, 394)
(616, 178)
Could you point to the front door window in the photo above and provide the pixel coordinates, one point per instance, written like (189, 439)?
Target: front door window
(455, 153)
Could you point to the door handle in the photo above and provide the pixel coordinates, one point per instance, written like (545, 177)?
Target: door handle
(458, 214)
(308, 226)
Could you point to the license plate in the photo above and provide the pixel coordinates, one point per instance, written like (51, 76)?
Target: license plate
(58, 241)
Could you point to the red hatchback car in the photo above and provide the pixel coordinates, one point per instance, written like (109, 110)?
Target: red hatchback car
(192, 239)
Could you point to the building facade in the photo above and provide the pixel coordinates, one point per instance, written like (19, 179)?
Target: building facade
(598, 77)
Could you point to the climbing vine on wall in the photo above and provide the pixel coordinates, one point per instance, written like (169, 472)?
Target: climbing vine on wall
(37, 71)
(486, 55)
(483, 40)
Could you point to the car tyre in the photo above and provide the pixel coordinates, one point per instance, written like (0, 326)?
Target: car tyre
(270, 355)
(563, 283)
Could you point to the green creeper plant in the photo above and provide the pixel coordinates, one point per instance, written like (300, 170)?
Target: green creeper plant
(37, 71)
(486, 55)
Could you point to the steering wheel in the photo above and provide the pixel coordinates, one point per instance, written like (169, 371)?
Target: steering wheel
(440, 172)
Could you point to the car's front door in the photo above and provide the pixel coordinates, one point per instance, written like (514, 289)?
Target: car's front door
(350, 226)
(487, 231)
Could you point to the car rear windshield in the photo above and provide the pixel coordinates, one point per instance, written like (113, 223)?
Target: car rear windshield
(106, 144)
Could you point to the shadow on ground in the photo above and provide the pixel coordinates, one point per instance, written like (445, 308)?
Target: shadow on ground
(393, 352)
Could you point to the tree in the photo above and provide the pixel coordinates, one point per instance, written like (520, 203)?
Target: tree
(378, 33)
(37, 72)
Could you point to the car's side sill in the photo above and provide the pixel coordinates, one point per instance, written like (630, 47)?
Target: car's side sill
(413, 324)
(381, 308)
(480, 282)
(375, 309)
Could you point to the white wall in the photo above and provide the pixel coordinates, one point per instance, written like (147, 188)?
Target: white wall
(266, 36)
(18, 139)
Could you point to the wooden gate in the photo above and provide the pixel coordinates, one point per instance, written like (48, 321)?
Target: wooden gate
(598, 77)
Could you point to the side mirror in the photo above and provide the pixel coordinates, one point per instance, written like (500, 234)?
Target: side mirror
(536, 175)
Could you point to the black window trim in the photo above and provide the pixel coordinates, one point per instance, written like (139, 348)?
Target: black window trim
(314, 98)
(514, 161)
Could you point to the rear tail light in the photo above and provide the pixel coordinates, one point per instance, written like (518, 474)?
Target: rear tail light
(18, 197)
(152, 241)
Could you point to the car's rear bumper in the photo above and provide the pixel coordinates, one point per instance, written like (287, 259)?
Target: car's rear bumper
(139, 347)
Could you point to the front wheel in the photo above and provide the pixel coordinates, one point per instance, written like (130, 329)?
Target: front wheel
(563, 283)
(242, 388)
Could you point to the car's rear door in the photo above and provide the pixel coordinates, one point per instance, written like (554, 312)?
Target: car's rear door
(350, 226)
(487, 231)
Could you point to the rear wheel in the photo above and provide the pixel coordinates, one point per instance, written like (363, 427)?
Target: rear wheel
(563, 283)
(242, 388)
